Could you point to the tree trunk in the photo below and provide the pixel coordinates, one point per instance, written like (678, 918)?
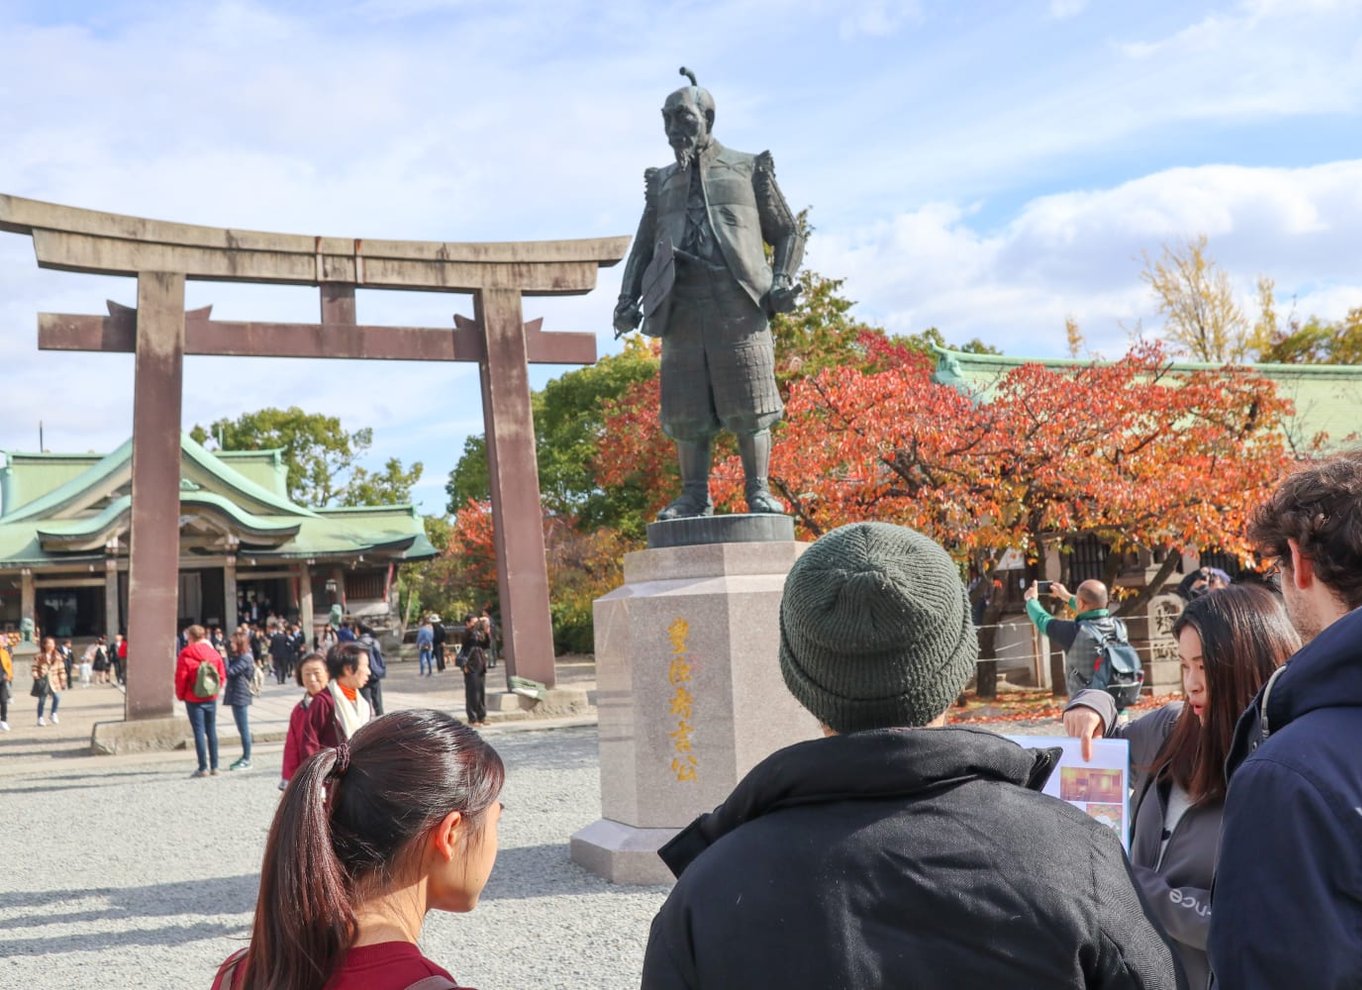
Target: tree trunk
(986, 673)
(1153, 587)
(1058, 683)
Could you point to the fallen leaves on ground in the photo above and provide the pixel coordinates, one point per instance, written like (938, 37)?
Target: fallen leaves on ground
(1030, 707)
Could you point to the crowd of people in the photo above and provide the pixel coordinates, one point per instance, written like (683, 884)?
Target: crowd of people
(208, 665)
(897, 850)
(342, 675)
(55, 668)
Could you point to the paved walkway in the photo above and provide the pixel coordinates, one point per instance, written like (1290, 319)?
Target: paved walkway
(82, 707)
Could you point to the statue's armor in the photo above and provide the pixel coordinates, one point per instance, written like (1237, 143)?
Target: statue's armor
(718, 363)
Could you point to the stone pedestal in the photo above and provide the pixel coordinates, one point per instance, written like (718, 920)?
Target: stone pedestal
(690, 695)
(145, 735)
(564, 702)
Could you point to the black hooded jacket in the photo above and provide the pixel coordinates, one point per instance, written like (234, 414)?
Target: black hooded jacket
(1286, 910)
(902, 858)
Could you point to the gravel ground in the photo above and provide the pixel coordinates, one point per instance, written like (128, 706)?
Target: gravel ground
(129, 874)
(126, 873)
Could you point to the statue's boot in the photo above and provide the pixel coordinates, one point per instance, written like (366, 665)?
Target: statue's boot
(755, 449)
(693, 457)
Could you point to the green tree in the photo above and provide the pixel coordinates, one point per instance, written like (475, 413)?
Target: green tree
(1205, 322)
(569, 418)
(319, 454)
(819, 332)
(391, 486)
(570, 422)
(1314, 341)
(930, 338)
(470, 478)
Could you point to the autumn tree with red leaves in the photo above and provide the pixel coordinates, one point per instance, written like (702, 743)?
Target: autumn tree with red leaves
(1128, 451)
(1140, 457)
(472, 537)
(583, 565)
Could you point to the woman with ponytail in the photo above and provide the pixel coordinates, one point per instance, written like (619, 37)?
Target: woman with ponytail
(399, 820)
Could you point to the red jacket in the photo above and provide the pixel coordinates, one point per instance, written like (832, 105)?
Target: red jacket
(320, 729)
(187, 667)
(295, 751)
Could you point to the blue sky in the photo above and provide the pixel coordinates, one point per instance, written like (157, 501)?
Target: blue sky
(986, 168)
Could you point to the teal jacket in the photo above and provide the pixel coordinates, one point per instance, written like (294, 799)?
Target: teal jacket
(1062, 631)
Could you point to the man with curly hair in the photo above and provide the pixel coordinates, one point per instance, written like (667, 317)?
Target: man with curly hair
(1287, 904)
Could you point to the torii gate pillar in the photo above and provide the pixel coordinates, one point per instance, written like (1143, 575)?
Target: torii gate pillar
(522, 577)
(154, 548)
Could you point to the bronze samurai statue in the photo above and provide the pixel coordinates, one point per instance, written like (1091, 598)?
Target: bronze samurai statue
(698, 277)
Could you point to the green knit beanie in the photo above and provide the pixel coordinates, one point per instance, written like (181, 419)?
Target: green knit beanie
(875, 629)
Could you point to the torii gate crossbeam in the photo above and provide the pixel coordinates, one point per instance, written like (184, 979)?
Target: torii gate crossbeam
(162, 256)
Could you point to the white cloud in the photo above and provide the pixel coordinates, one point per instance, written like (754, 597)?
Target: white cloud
(984, 173)
(1262, 58)
(1080, 254)
(1064, 9)
(877, 18)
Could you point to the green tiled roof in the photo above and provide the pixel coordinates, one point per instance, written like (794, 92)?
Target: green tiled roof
(26, 477)
(55, 513)
(1327, 397)
(34, 486)
(265, 467)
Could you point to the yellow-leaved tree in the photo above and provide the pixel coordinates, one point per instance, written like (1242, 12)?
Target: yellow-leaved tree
(1201, 318)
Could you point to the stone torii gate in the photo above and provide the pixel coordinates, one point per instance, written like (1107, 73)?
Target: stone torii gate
(161, 256)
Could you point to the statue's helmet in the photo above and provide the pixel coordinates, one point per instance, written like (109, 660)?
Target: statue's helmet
(693, 95)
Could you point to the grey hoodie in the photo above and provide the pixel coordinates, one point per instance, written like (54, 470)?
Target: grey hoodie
(1178, 886)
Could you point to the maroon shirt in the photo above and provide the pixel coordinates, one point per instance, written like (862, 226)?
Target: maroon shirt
(385, 966)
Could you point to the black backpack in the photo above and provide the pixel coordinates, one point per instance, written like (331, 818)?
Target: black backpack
(1116, 667)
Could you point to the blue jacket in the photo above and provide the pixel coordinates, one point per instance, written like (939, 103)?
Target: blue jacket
(240, 671)
(1287, 905)
(378, 667)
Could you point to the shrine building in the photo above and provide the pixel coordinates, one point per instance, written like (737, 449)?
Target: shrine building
(246, 548)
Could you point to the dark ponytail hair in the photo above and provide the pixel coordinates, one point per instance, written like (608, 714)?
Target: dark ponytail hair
(345, 829)
(1245, 635)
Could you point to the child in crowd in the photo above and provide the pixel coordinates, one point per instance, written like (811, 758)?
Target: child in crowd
(311, 675)
(90, 661)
